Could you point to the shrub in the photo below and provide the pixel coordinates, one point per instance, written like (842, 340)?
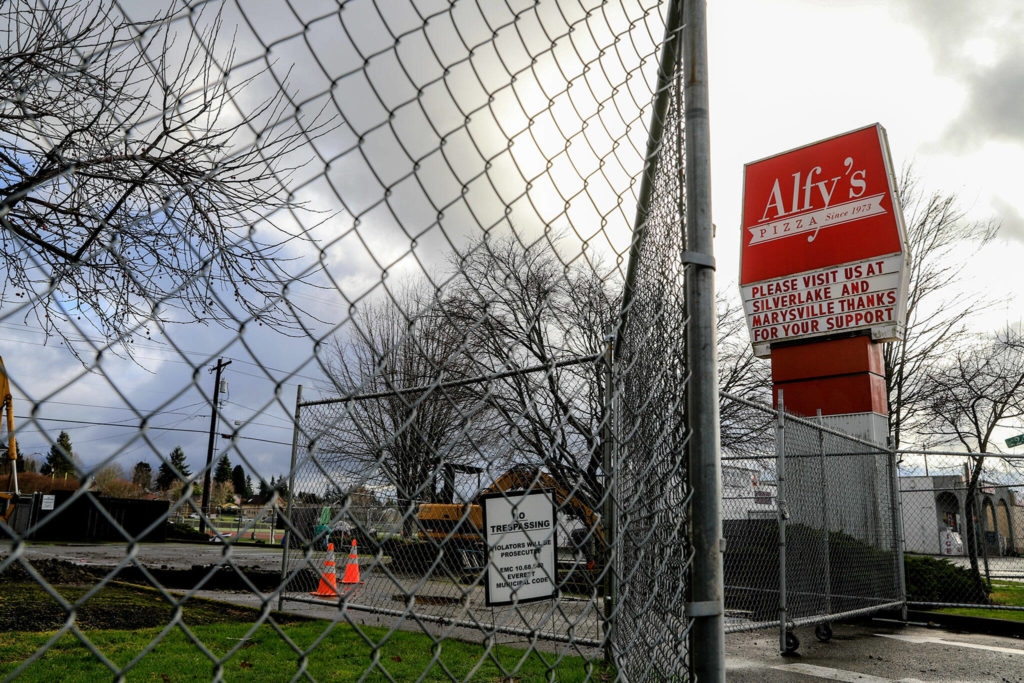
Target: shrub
(938, 580)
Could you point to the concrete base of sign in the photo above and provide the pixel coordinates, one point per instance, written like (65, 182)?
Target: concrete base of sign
(868, 426)
(844, 379)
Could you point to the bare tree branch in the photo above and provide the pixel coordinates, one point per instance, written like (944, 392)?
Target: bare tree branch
(128, 189)
(978, 388)
(940, 237)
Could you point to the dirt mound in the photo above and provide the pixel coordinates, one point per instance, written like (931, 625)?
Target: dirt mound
(54, 571)
(26, 606)
(207, 577)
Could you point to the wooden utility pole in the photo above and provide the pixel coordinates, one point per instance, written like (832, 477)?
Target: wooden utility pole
(214, 415)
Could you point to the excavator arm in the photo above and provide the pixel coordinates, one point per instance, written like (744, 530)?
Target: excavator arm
(9, 498)
(527, 477)
(458, 522)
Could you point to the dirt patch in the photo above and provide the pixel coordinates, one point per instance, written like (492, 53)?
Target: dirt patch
(25, 605)
(54, 571)
(204, 576)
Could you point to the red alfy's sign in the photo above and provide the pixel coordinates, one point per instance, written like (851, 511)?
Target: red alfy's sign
(824, 247)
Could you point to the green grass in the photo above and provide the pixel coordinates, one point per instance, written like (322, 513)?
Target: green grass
(121, 620)
(1007, 593)
(345, 653)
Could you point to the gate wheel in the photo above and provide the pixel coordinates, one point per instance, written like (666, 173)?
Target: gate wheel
(792, 643)
(823, 632)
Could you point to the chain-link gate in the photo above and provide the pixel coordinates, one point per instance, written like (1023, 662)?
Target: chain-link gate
(811, 527)
(465, 231)
(411, 503)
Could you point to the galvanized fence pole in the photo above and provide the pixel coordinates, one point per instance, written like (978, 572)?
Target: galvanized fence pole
(782, 514)
(287, 540)
(824, 518)
(707, 589)
(608, 522)
(896, 503)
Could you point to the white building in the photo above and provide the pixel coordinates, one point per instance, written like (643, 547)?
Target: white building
(745, 494)
(933, 505)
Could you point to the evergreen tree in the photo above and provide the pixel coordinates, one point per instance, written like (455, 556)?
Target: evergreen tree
(238, 480)
(248, 487)
(222, 473)
(142, 475)
(265, 489)
(282, 486)
(59, 459)
(166, 476)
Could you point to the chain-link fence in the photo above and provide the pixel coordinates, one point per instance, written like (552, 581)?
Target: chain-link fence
(462, 229)
(811, 527)
(963, 529)
(412, 504)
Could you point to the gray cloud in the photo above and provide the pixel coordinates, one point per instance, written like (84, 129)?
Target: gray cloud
(995, 103)
(1011, 223)
(977, 44)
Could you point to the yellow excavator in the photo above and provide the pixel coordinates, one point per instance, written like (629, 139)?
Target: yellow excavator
(9, 498)
(458, 527)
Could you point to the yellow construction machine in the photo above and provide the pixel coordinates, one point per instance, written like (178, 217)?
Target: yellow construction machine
(458, 528)
(9, 498)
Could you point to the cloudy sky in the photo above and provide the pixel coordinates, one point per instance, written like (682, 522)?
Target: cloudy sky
(945, 78)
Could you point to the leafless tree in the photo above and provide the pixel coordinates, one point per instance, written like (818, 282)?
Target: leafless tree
(132, 188)
(977, 389)
(940, 238)
(400, 427)
(740, 374)
(523, 307)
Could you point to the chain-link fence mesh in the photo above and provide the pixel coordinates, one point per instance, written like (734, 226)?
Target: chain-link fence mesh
(962, 529)
(457, 225)
(650, 483)
(412, 504)
(811, 528)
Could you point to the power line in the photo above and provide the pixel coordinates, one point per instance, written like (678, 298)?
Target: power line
(158, 347)
(140, 410)
(177, 412)
(148, 428)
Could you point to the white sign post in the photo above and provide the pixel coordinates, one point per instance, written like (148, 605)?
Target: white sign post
(520, 533)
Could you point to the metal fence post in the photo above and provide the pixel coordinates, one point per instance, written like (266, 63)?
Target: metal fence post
(287, 540)
(783, 514)
(824, 518)
(608, 521)
(707, 655)
(897, 514)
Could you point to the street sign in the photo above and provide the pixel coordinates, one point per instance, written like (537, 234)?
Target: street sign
(824, 247)
(1015, 441)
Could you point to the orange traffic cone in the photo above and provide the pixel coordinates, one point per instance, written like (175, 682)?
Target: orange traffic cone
(328, 582)
(352, 568)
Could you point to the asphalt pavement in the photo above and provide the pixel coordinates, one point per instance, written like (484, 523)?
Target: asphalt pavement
(873, 651)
